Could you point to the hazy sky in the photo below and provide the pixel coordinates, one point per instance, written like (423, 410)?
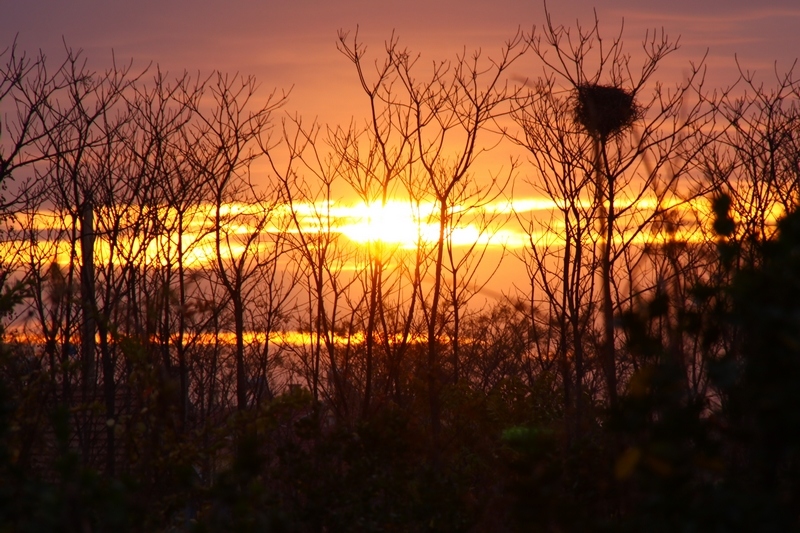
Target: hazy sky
(291, 43)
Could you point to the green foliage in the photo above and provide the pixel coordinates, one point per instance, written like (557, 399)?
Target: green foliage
(725, 459)
(73, 499)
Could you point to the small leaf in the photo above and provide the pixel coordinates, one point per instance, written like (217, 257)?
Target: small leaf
(627, 462)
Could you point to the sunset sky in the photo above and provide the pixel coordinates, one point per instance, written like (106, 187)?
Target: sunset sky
(291, 44)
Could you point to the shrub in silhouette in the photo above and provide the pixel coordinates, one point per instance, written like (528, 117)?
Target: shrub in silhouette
(726, 459)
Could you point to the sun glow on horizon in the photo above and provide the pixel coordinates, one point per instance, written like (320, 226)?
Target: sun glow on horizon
(401, 223)
(393, 223)
(157, 236)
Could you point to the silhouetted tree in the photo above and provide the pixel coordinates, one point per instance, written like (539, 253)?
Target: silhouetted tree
(632, 149)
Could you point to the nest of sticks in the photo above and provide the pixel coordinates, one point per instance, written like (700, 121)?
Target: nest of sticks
(604, 110)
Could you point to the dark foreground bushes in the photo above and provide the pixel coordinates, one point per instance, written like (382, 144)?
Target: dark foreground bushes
(668, 458)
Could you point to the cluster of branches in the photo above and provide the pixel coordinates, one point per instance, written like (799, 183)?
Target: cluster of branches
(154, 284)
(124, 237)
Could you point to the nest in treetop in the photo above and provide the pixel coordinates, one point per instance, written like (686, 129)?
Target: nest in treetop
(604, 110)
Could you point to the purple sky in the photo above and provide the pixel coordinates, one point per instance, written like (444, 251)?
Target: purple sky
(291, 43)
(287, 43)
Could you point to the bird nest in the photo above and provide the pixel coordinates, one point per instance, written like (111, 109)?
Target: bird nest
(604, 110)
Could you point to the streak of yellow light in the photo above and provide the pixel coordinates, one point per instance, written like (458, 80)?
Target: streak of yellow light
(288, 338)
(398, 223)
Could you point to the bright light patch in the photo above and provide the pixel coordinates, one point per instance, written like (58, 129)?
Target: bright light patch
(395, 223)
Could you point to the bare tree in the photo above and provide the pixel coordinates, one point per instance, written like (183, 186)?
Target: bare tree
(82, 125)
(561, 255)
(754, 161)
(224, 145)
(634, 140)
(308, 177)
(426, 133)
(27, 88)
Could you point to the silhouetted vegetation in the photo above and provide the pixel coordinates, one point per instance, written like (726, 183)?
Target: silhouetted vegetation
(191, 343)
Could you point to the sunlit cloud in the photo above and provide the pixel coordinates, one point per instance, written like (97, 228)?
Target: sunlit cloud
(398, 224)
(719, 19)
